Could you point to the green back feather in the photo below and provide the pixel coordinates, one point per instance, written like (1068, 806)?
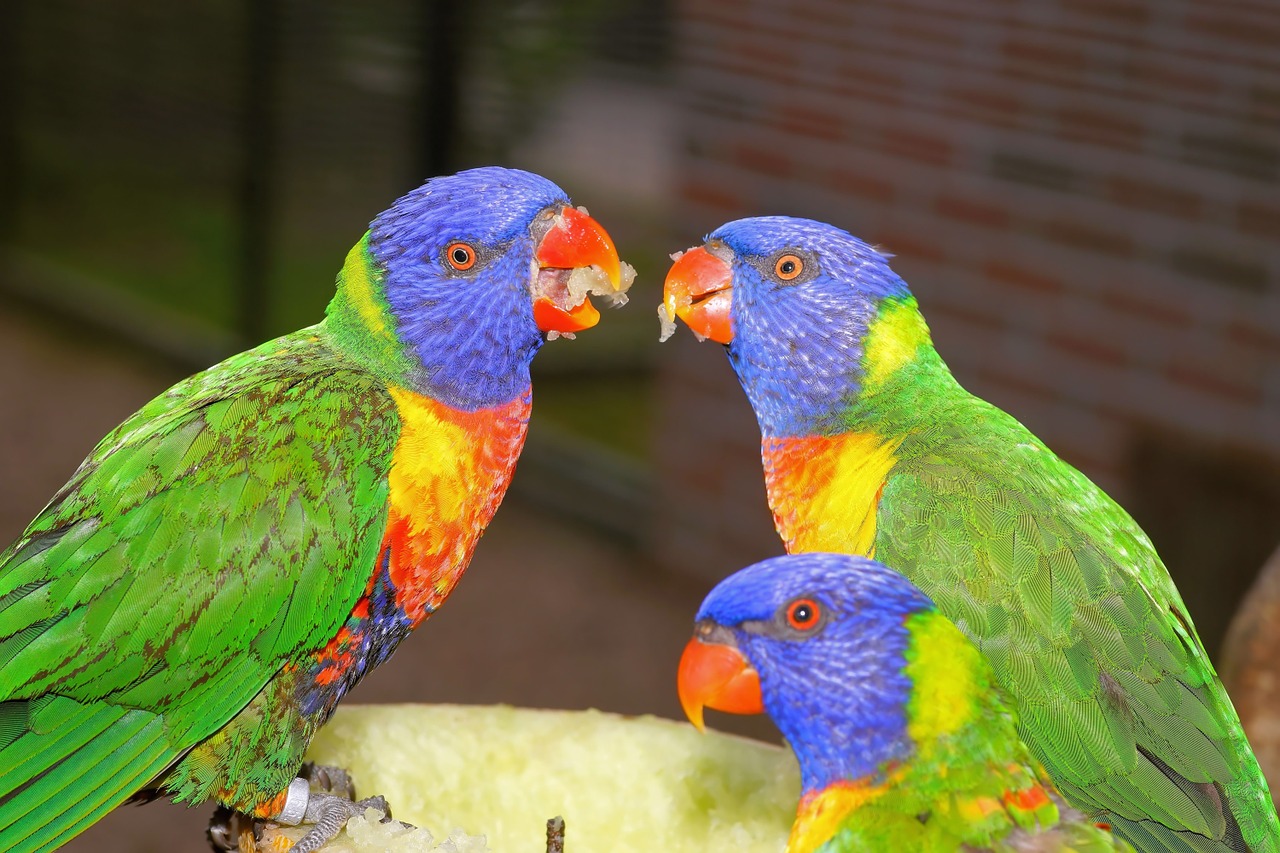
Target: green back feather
(178, 547)
(1067, 598)
(971, 783)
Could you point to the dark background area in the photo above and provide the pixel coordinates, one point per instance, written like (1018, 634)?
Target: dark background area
(1083, 195)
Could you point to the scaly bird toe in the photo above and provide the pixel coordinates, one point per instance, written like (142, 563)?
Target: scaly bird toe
(328, 779)
(328, 814)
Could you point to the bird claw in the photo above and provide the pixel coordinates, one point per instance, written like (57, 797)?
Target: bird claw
(224, 830)
(328, 814)
(329, 779)
(327, 803)
(230, 831)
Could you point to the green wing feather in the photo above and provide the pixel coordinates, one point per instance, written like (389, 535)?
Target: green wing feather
(1067, 598)
(224, 531)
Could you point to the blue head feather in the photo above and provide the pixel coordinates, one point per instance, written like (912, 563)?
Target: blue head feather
(797, 346)
(472, 332)
(837, 693)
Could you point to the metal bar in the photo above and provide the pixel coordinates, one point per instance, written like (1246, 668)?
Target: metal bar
(11, 70)
(441, 54)
(262, 21)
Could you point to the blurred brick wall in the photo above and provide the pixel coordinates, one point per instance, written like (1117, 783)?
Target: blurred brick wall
(1084, 195)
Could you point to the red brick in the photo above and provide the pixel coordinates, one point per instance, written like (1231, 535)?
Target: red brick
(820, 15)
(916, 145)
(1215, 383)
(1221, 265)
(1168, 312)
(1022, 50)
(1222, 24)
(766, 161)
(1264, 103)
(710, 195)
(1096, 350)
(806, 121)
(1145, 195)
(1170, 78)
(1122, 13)
(913, 29)
(860, 83)
(1057, 174)
(1082, 124)
(762, 55)
(1021, 277)
(967, 313)
(1257, 218)
(1236, 152)
(701, 10)
(1254, 334)
(863, 186)
(993, 106)
(971, 211)
(852, 91)
(1091, 238)
(868, 73)
(1024, 385)
(909, 246)
(747, 59)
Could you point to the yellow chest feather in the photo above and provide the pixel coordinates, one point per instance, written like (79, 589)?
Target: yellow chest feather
(823, 490)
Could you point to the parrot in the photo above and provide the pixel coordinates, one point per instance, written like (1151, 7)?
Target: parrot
(227, 563)
(870, 446)
(904, 739)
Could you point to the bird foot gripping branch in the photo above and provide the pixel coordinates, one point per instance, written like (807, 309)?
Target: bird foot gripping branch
(328, 814)
(321, 801)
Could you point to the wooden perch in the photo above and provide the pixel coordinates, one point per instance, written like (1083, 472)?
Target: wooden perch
(555, 835)
(1251, 670)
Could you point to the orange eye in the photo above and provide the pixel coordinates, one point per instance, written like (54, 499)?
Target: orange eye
(461, 256)
(803, 614)
(788, 267)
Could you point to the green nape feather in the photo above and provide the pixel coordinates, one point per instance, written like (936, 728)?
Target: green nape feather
(971, 783)
(216, 472)
(1066, 597)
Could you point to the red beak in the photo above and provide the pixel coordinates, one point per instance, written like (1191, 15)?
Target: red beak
(699, 290)
(715, 675)
(575, 242)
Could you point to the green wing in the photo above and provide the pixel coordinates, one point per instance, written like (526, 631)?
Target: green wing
(223, 531)
(1067, 598)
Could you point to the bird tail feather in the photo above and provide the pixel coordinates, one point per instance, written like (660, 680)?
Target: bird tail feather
(65, 764)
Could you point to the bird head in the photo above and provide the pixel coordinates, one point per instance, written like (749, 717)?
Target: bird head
(456, 286)
(819, 643)
(792, 300)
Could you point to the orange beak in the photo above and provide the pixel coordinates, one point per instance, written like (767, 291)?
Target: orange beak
(699, 290)
(716, 675)
(575, 242)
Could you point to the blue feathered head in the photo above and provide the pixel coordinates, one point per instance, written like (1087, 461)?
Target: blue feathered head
(456, 286)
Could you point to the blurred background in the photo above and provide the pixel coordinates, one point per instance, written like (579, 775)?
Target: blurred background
(1084, 195)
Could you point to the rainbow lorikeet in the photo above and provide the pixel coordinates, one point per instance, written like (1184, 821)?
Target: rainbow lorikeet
(871, 447)
(905, 741)
(231, 560)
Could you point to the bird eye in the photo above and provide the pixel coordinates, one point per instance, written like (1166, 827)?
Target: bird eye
(803, 614)
(461, 256)
(788, 267)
